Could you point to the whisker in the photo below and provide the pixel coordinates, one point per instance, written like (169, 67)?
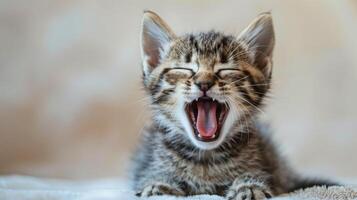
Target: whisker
(231, 83)
(251, 104)
(246, 122)
(243, 121)
(259, 84)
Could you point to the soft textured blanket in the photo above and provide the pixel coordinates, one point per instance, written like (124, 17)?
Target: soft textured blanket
(29, 188)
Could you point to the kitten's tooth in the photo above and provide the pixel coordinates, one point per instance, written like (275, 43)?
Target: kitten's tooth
(196, 99)
(199, 135)
(214, 99)
(214, 135)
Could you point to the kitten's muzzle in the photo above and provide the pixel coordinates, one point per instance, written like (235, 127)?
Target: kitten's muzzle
(204, 86)
(204, 81)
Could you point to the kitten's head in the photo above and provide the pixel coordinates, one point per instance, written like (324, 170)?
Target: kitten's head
(206, 86)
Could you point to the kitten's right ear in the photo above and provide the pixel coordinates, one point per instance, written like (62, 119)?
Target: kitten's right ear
(156, 36)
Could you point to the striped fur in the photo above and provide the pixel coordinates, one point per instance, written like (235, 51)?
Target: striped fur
(242, 163)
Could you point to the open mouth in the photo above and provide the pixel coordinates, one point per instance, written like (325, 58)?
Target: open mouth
(206, 117)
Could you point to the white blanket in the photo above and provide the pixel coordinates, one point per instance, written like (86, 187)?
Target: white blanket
(30, 188)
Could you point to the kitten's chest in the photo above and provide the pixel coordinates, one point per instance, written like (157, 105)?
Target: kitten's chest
(206, 173)
(205, 178)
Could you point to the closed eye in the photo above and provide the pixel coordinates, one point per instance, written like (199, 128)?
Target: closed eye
(226, 71)
(181, 70)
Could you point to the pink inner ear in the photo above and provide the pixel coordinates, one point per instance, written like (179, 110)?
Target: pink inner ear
(151, 49)
(153, 62)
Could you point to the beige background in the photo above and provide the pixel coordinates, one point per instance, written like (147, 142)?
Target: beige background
(71, 103)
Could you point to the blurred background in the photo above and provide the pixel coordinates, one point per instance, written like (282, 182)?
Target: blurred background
(71, 102)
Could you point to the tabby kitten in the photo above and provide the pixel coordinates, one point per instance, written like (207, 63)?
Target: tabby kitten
(205, 90)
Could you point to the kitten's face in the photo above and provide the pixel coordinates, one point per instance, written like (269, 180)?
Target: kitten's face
(206, 86)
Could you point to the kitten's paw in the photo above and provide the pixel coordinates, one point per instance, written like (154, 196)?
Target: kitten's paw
(248, 191)
(159, 189)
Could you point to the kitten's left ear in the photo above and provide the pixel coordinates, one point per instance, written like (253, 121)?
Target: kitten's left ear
(259, 36)
(156, 36)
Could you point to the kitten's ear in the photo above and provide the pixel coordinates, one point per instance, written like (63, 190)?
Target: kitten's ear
(156, 36)
(259, 36)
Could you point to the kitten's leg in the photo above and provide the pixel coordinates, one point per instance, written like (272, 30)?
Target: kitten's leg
(248, 188)
(160, 188)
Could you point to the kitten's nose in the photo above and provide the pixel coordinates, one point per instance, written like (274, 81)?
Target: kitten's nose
(204, 85)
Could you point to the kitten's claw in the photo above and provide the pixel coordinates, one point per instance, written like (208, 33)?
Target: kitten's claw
(159, 189)
(248, 191)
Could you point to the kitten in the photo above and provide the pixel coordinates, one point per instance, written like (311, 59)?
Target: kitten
(205, 90)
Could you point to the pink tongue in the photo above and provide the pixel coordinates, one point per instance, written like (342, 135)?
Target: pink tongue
(206, 118)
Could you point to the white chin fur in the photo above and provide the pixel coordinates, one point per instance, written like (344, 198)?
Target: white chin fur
(188, 128)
